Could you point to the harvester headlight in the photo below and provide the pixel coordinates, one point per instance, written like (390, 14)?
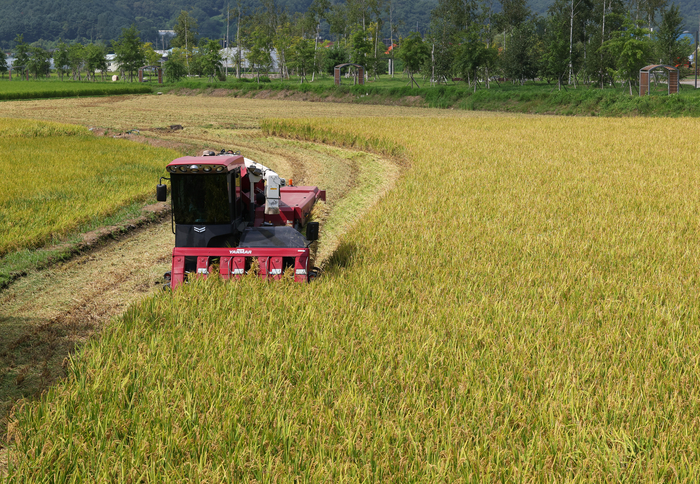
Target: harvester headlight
(194, 168)
(172, 169)
(183, 168)
(207, 169)
(219, 169)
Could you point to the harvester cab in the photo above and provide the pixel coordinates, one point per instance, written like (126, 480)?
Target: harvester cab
(228, 211)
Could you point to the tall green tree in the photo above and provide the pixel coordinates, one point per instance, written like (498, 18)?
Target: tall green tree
(152, 57)
(39, 63)
(76, 59)
(211, 58)
(573, 20)
(376, 62)
(442, 56)
(129, 51)
(186, 31)
(95, 60)
(461, 34)
(513, 14)
(334, 56)
(632, 49)
(441, 35)
(337, 18)
(283, 44)
(61, 61)
(238, 56)
(456, 15)
(315, 14)
(301, 57)
(651, 9)
(186, 36)
(360, 47)
(555, 58)
(668, 48)
(259, 57)
(362, 12)
(520, 59)
(472, 54)
(3, 64)
(414, 53)
(21, 61)
(175, 67)
(605, 17)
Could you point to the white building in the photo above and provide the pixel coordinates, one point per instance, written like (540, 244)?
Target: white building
(229, 56)
(112, 64)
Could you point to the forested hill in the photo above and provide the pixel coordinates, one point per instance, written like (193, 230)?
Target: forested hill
(104, 19)
(690, 10)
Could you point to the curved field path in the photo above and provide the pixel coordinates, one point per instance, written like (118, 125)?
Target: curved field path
(45, 315)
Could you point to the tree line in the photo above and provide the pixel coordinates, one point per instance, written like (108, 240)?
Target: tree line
(294, 39)
(592, 42)
(75, 59)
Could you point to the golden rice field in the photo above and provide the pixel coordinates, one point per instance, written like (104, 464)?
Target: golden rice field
(144, 112)
(523, 306)
(53, 177)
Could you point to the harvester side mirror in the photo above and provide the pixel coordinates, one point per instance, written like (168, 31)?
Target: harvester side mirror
(312, 231)
(161, 192)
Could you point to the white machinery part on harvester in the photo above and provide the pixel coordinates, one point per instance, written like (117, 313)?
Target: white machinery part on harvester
(273, 182)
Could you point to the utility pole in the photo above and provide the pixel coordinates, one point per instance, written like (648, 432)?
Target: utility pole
(228, 22)
(187, 49)
(316, 35)
(391, 35)
(602, 42)
(432, 62)
(238, 42)
(571, 42)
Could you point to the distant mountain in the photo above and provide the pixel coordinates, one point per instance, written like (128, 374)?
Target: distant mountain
(690, 9)
(103, 20)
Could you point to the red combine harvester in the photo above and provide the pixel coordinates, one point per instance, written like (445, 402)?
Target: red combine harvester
(228, 210)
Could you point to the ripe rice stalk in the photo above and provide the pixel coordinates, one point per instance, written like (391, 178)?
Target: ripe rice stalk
(523, 305)
(55, 177)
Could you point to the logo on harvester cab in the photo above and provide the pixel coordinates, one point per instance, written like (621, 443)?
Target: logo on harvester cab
(240, 251)
(199, 230)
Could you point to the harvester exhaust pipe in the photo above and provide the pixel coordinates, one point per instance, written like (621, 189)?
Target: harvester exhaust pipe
(252, 202)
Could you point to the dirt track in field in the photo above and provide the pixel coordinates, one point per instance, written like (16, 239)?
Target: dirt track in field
(51, 312)
(48, 314)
